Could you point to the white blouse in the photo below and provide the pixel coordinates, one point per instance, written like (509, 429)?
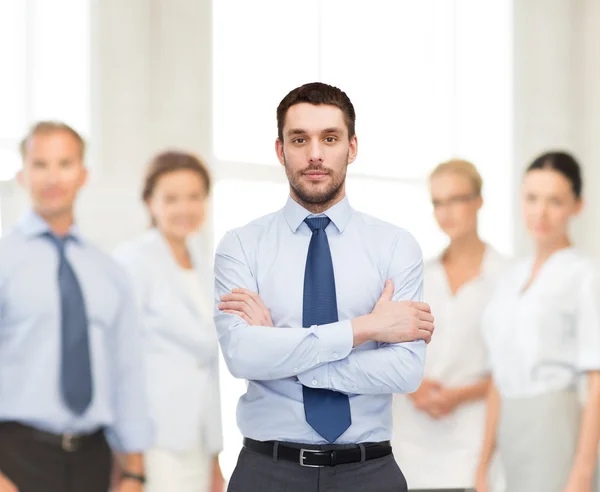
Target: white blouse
(542, 338)
(202, 300)
(456, 357)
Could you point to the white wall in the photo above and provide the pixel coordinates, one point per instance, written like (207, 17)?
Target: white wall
(143, 101)
(151, 90)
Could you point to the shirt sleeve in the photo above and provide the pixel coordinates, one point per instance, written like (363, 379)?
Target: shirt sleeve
(131, 431)
(588, 321)
(263, 352)
(386, 368)
(213, 425)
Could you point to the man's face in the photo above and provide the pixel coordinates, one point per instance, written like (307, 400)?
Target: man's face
(53, 172)
(316, 152)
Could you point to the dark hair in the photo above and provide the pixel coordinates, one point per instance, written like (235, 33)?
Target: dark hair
(47, 127)
(167, 162)
(317, 93)
(563, 163)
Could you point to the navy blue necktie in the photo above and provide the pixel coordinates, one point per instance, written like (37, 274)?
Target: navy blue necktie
(327, 412)
(75, 370)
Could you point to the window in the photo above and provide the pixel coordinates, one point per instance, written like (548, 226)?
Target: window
(44, 59)
(430, 80)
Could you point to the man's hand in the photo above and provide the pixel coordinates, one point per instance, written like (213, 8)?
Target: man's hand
(6, 485)
(217, 482)
(247, 305)
(130, 485)
(394, 321)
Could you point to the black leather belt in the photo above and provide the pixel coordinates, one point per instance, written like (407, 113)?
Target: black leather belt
(318, 458)
(68, 442)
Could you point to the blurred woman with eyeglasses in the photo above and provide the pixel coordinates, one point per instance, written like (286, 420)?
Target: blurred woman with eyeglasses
(438, 430)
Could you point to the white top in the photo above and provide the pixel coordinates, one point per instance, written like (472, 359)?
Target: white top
(543, 338)
(456, 357)
(180, 342)
(190, 277)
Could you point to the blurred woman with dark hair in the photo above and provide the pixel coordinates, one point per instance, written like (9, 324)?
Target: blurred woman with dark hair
(173, 281)
(542, 330)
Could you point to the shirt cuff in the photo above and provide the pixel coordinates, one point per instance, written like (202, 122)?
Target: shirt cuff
(130, 437)
(335, 341)
(316, 378)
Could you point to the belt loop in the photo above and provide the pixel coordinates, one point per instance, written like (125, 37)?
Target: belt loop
(275, 450)
(363, 452)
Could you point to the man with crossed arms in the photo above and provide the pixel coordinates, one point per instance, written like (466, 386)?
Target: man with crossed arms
(345, 327)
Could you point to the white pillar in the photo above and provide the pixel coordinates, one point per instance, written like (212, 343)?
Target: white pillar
(587, 233)
(545, 88)
(151, 86)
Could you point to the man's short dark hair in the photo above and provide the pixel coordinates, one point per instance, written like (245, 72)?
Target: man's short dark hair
(317, 93)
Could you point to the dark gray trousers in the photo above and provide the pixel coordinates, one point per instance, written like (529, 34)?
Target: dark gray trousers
(259, 473)
(38, 466)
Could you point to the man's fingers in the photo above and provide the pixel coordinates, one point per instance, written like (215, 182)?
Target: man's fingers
(422, 306)
(245, 298)
(238, 313)
(237, 297)
(253, 296)
(388, 291)
(235, 306)
(425, 316)
(426, 326)
(420, 334)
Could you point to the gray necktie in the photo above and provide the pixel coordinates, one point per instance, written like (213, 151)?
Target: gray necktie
(75, 370)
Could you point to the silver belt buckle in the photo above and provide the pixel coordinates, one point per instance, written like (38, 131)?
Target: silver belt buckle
(302, 457)
(67, 442)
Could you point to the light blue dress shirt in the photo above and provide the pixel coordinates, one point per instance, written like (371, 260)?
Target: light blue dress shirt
(268, 256)
(30, 339)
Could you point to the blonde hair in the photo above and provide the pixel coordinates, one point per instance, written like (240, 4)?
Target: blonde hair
(462, 167)
(47, 127)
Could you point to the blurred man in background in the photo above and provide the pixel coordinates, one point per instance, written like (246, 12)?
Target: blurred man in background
(71, 374)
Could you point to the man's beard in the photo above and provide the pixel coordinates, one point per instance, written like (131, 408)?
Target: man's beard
(311, 195)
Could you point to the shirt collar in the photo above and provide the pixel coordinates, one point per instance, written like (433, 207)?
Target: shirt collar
(339, 214)
(33, 225)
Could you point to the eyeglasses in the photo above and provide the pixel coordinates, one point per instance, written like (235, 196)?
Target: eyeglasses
(453, 200)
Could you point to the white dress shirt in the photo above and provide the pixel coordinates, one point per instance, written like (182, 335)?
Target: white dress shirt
(542, 338)
(30, 334)
(456, 357)
(268, 256)
(180, 343)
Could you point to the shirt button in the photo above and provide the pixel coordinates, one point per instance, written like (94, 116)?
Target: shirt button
(335, 355)
(295, 369)
(318, 361)
(314, 382)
